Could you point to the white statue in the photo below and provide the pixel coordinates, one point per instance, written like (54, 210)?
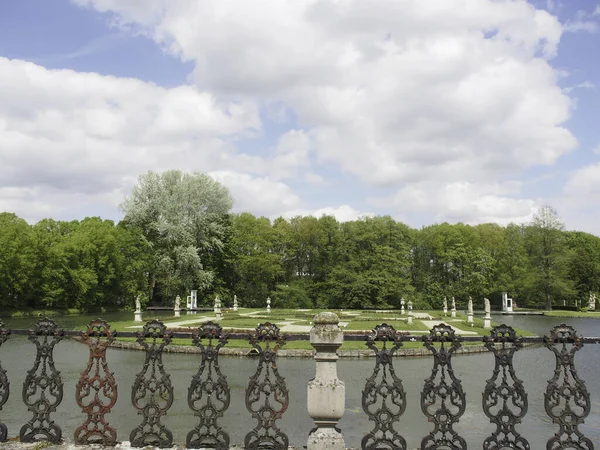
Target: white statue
(268, 304)
(453, 303)
(445, 303)
(178, 302)
(470, 306)
(235, 303)
(138, 304)
(487, 306)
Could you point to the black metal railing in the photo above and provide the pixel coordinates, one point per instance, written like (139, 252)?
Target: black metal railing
(566, 400)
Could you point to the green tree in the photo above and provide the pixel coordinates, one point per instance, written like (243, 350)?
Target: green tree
(548, 258)
(257, 266)
(184, 217)
(584, 263)
(512, 262)
(17, 261)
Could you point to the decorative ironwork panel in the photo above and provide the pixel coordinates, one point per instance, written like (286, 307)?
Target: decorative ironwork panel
(504, 397)
(443, 399)
(43, 386)
(152, 392)
(208, 395)
(567, 400)
(384, 398)
(96, 391)
(4, 384)
(266, 384)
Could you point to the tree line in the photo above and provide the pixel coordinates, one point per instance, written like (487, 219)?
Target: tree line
(178, 234)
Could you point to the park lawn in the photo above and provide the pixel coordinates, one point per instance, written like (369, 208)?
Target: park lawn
(365, 322)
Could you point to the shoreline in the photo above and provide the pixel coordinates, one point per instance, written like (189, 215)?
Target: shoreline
(297, 353)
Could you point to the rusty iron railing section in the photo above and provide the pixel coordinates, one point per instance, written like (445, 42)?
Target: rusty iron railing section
(208, 395)
(384, 398)
(4, 384)
(152, 392)
(443, 399)
(567, 400)
(43, 386)
(266, 385)
(96, 392)
(504, 397)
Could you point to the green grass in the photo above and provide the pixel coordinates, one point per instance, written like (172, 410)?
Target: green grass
(365, 322)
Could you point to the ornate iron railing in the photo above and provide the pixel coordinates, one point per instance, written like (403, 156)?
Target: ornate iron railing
(443, 401)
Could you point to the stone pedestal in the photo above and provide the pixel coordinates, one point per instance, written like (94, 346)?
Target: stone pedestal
(409, 319)
(470, 317)
(268, 304)
(137, 316)
(453, 313)
(326, 394)
(487, 321)
(217, 308)
(445, 310)
(177, 312)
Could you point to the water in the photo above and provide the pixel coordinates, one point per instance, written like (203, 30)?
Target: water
(533, 366)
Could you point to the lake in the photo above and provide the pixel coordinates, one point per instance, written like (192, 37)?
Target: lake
(534, 366)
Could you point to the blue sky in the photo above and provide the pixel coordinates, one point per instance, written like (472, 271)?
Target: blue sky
(450, 110)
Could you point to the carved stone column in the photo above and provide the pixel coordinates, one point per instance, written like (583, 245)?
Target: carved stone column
(326, 393)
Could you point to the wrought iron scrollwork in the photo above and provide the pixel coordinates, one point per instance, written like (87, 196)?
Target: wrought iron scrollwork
(264, 385)
(443, 399)
(504, 397)
(96, 391)
(152, 392)
(43, 386)
(567, 400)
(208, 395)
(384, 398)
(4, 384)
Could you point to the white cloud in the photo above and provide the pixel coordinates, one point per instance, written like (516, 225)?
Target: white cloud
(462, 201)
(291, 154)
(343, 213)
(583, 85)
(391, 92)
(261, 196)
(583, 21)
(589, 26)
(579, 201)
(85, 134)
(440, 99)
(584, 183)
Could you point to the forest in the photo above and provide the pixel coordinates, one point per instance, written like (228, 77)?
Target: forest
(163, 250)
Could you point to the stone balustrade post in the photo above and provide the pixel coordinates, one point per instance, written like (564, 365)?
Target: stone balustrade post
(326, 396)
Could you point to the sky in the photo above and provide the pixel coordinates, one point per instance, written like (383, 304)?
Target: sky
(468, 111)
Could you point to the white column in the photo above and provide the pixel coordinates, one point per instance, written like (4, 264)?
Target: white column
(326, 395)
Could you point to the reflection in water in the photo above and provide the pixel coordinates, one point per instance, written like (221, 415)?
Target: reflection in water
(534, 366)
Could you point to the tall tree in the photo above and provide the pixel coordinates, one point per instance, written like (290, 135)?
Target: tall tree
(584, 263)
(17, 261)
(257, 267)
(183, 215)
(548, 257)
